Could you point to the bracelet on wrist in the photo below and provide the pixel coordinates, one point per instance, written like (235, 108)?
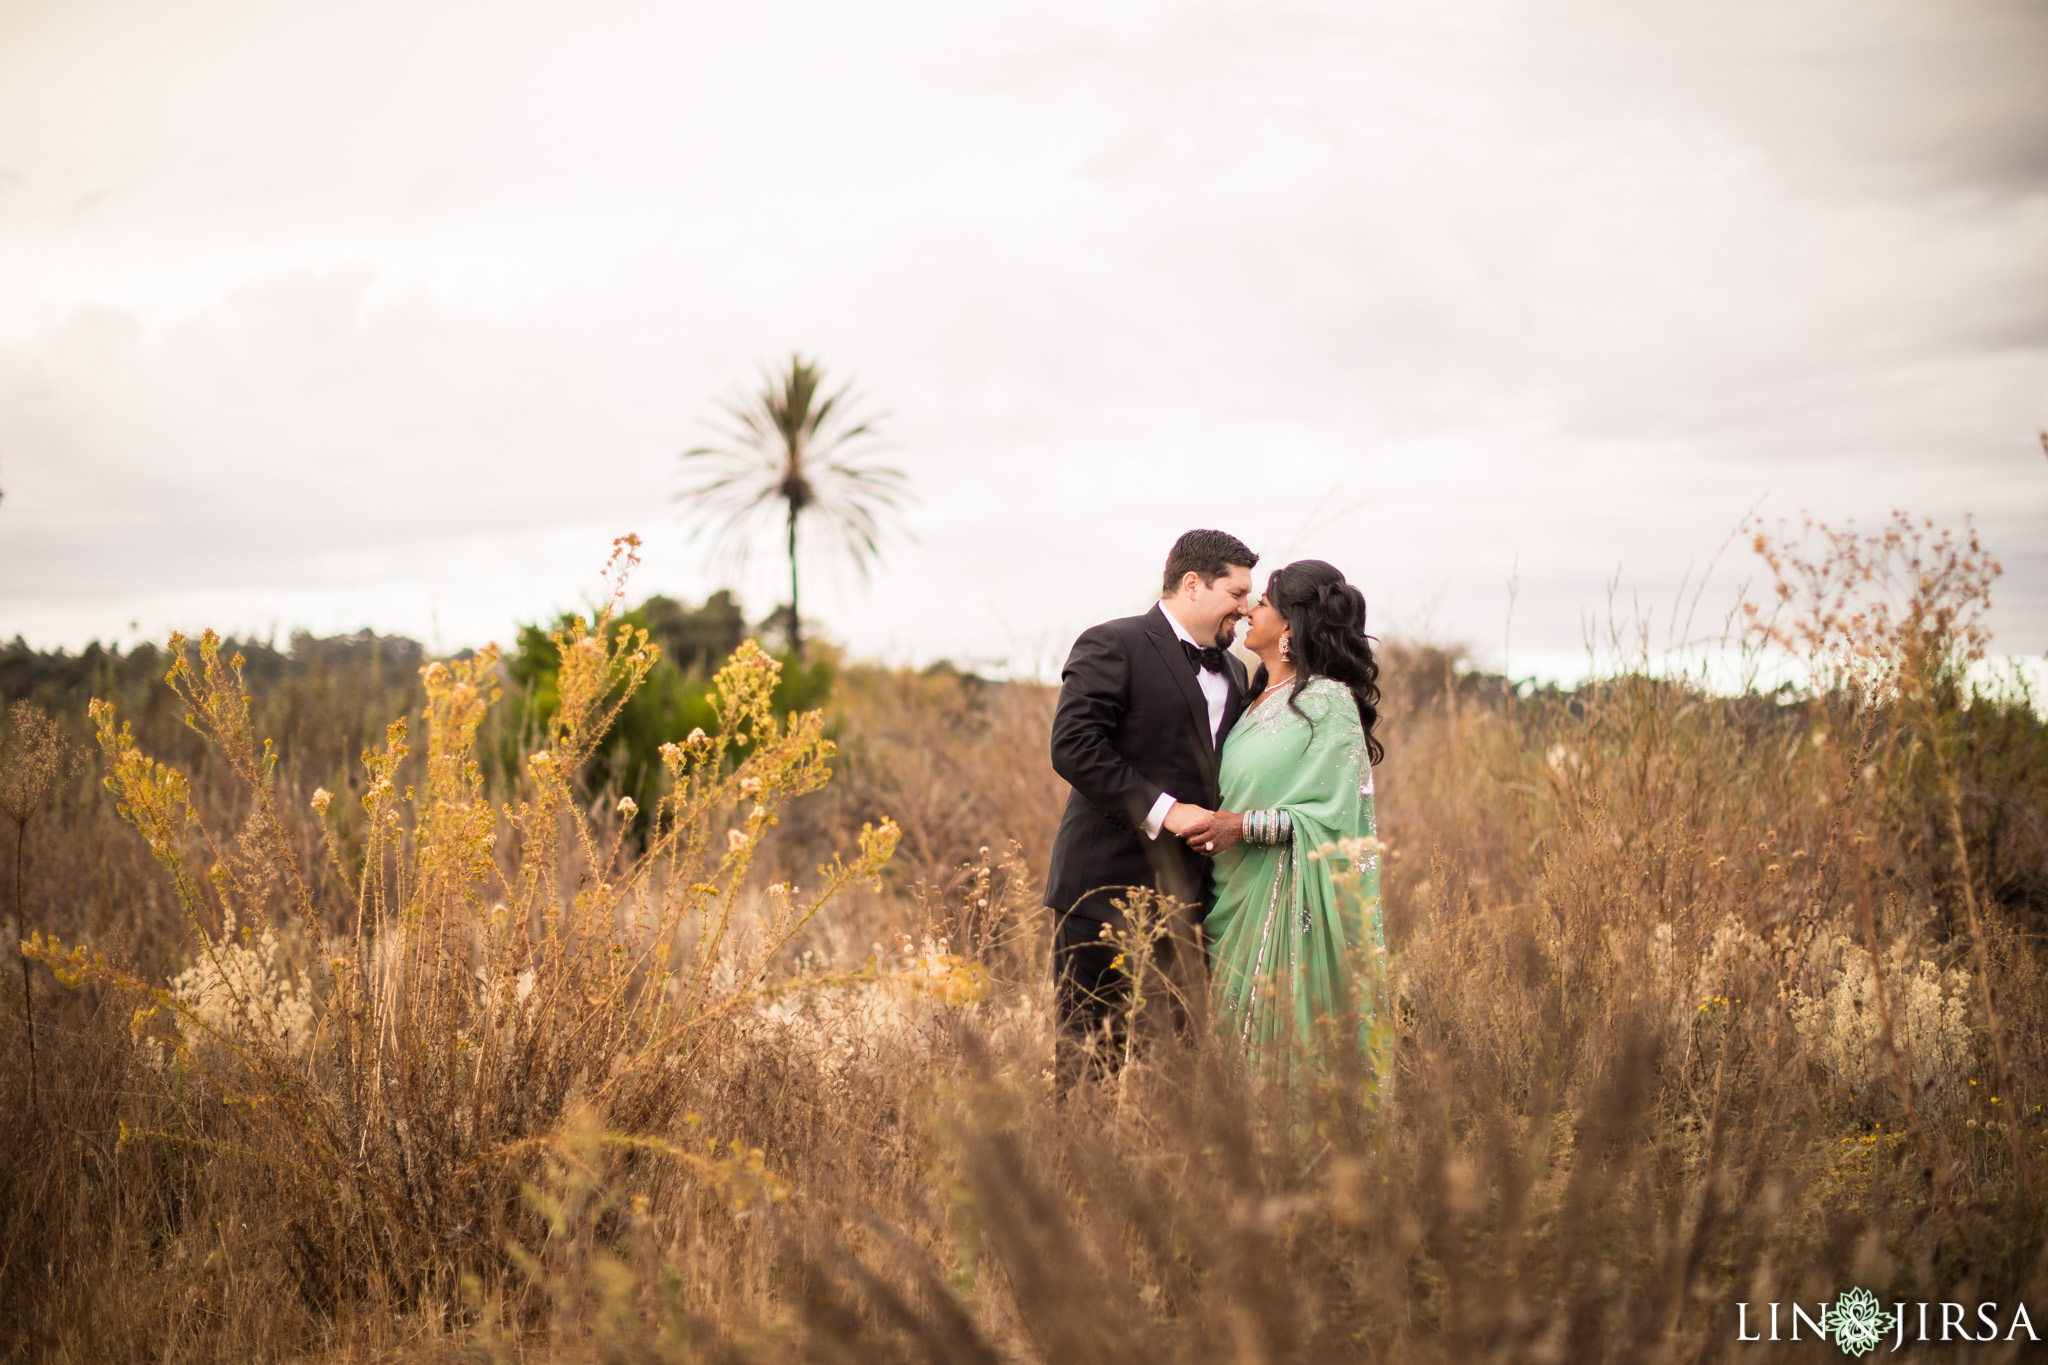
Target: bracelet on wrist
(1268, 827)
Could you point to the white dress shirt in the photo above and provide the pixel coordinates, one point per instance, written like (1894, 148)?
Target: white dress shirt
(1215, 691)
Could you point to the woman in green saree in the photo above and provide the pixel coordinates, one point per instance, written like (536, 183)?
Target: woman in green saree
(1296, 950)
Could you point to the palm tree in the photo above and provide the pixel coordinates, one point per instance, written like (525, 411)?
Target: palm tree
(792, 453)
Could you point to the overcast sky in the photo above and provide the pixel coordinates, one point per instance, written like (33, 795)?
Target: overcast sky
(393, 315)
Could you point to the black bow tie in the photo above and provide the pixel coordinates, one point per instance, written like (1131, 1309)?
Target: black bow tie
(1210, 658)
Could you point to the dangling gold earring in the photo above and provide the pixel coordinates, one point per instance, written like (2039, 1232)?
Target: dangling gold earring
(1287, 647)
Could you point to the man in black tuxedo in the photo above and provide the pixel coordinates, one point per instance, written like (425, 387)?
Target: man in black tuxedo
(1145, 702)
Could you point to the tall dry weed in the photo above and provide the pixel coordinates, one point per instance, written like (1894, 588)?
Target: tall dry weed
(391, 1087)
(33, 757)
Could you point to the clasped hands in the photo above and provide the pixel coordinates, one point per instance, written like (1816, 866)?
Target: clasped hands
(1207, 832)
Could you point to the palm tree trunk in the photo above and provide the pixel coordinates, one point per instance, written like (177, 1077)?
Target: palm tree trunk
(796, 636)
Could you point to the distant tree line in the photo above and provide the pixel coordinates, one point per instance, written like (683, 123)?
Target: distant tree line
(326, 699)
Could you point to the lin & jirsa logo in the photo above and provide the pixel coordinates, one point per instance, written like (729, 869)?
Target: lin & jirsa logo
(1858, 1323)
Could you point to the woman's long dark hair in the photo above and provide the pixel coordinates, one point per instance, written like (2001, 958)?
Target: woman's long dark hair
(1326, 616)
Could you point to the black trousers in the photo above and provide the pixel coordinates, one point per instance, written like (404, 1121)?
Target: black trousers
(1092, 994)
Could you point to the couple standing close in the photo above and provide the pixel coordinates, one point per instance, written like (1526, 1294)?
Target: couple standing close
(1247, 801)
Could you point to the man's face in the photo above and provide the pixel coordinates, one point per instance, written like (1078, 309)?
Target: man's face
(1211, 611)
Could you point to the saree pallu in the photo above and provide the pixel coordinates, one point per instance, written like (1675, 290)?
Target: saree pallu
(1297, 949)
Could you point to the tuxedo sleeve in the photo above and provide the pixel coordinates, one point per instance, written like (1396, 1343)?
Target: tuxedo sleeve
(1094, 688)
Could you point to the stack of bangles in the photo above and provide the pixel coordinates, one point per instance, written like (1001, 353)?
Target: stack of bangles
(1268, 827)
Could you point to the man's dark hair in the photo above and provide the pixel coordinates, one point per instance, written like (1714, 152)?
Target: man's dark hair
(1208, 553)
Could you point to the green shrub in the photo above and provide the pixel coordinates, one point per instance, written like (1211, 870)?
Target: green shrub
(676, 698)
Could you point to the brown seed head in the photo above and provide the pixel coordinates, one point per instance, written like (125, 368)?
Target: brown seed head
(33, 756)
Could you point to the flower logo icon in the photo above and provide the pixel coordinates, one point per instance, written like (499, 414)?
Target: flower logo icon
(1857, 1321)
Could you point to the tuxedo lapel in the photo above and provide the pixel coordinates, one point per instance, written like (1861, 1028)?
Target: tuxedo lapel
(1233, 708)
(1176, 659)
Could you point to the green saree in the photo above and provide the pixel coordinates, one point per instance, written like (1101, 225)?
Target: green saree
(1297, 951)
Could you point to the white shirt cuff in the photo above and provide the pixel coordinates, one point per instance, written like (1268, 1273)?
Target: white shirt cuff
(1156, 820)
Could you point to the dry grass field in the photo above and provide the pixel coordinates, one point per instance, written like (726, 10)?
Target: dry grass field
(1702, 1000)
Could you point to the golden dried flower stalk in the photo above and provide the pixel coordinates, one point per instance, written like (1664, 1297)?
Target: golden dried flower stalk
(502, 961)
